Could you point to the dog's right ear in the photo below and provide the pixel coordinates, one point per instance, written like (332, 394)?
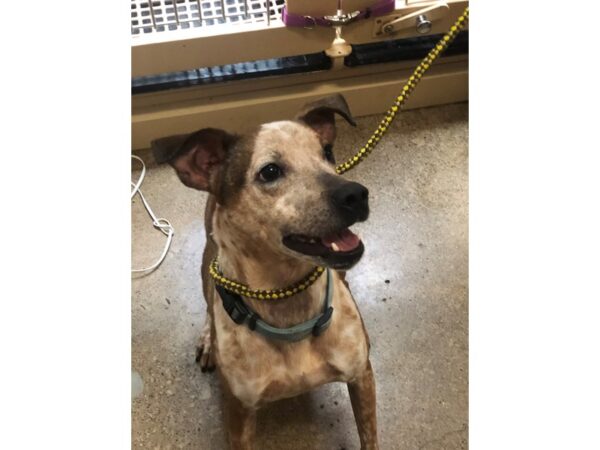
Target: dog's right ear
(197, 158)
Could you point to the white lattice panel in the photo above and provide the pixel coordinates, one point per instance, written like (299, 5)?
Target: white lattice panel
(152, 16)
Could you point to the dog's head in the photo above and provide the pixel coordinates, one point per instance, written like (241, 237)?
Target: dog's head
(277, 188)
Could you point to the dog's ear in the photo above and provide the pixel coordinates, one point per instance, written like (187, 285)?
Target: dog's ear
(320, 116)
(197, 158)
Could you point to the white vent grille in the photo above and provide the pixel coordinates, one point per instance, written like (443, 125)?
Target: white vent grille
(152, 16)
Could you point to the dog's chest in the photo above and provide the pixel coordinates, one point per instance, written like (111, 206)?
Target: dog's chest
(259, 371)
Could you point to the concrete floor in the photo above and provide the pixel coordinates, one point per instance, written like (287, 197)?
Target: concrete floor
(411, 287)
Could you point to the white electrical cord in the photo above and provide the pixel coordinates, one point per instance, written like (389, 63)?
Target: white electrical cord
(159, 223)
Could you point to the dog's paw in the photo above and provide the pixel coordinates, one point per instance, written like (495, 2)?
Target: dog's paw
(204, 353)
(205, 359)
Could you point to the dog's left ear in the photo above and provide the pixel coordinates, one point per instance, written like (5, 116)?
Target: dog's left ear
(320, 116)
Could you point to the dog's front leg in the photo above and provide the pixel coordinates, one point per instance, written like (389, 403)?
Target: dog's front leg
(362, 396)
(241, 423)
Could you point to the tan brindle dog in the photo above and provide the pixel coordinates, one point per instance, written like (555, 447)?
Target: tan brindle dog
(276, 209)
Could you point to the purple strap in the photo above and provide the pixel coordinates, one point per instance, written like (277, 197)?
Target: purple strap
(296, 20)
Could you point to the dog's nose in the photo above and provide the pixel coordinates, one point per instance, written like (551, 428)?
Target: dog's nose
(352, 200)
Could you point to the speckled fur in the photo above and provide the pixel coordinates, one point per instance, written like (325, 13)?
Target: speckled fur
(245, 223)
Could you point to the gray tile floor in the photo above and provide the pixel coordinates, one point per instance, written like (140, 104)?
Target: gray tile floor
(411, 287)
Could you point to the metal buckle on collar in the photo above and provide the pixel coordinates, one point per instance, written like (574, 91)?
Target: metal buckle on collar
(341, 19)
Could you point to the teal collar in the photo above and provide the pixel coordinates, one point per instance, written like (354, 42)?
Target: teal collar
(241, 313)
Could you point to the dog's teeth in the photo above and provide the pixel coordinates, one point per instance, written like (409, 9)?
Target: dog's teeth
(335, 247)
(313, 241)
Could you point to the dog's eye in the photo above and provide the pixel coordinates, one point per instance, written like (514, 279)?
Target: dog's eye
(270, 173)
(328, 152)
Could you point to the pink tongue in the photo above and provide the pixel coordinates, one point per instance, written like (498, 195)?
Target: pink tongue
(345, 240)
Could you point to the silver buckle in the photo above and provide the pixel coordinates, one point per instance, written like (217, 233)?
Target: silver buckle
(341, 19)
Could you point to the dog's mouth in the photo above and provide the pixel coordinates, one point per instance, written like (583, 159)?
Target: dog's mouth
(339, 250)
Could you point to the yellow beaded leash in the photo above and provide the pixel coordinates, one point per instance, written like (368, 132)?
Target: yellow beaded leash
(422, 68)
(406, 91)
(262, 294)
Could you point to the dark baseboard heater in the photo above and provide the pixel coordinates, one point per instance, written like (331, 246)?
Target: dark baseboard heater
(362, 55)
